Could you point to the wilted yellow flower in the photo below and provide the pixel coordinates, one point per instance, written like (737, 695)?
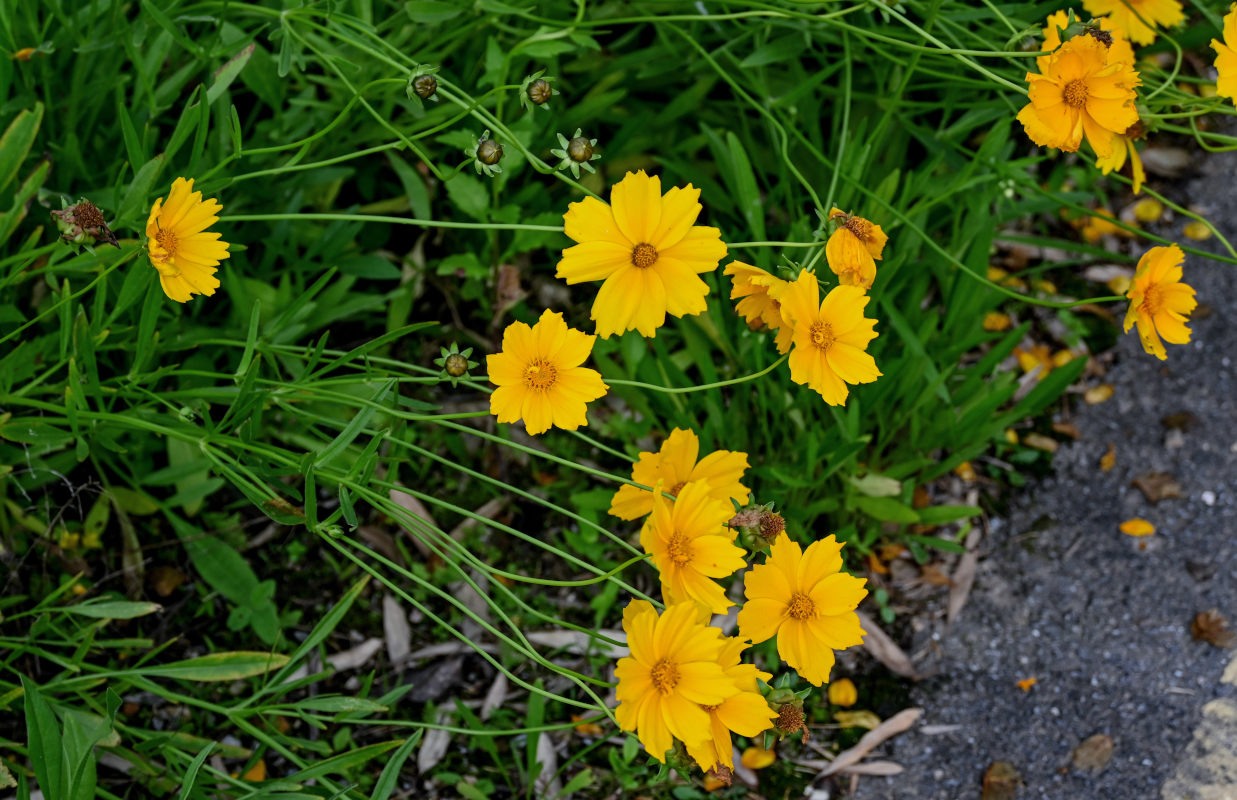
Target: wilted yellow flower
(691, 545)
(998, 275)
(1160, 303)
(675, 465)
(23, 54)
(181, 250)
(754, 289)
(746, 713)
(1079, 93)
(1124, 143)
(804, 599)
(966, 471)
(647, 250)
(539, 377)
(1226, 56)
(843, 693)
(1157, 12)
(1137, 527)
(996, 321)
(830, 337)
(756, 757)
(1039, 355)
(672, 671)
(854, 248)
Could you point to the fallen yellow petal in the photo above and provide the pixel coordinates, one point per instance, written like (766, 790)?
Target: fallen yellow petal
(842, 692)
(966, 472)
(996, 321)
(1148, 210)
(1098, 394)
(1198, 231)
(256, 773)
(1137, 527)
(1109, 459)
(757, 757)
(1026, 683)
(1041, 442)
(857, 719)
(1011, 436)
(712, 783)
(1061, 358)
(1120, 284)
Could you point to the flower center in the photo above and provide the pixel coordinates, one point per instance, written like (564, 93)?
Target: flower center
(665, 675)
(540, 375)
(678, 487)
(679, 548)
(166, 240)
(709, 709)
(860, 227)
(801, 606)
(644, 255)
(1153, 299)
(1076, 93)
(822, 335)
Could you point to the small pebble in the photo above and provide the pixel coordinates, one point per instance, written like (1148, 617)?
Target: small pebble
(1208, 498)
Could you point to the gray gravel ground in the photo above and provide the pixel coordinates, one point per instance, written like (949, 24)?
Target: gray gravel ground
(1103, 624)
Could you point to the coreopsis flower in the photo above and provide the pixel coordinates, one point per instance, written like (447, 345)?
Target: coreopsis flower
(676, 464)
(1226, 57)
(1080, 93)
(184, 253)
(647, 251)
(1116, 160)
(746, 713)
(854, 248)
(754, 288)
(1124, 19)
(1119, 48)
(691, 546)
(830, 337)
(803, 599)
(539, 377)
(1160, 303)
(672, 671)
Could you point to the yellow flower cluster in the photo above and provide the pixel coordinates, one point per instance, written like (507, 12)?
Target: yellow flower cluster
(684, 679)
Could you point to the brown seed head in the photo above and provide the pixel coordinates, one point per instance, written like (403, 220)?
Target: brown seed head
(790, 720)
(456, 365)
(489, 152)
(88, 215)
(1136, 131)
(579, 149)
(425, 86)
(539, 92)
(771, 525)
(720, 773)
(1101, 36)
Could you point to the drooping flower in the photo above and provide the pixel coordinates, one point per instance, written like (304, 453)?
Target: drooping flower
(1116, 160)
(647, 250)
(843, 692)
(1079, 93)
(1160, 304)
(854, 248)
(539, 377)
(691, 546)
(1119, 49)
(1226, 57)
(830, 337)
(672, 671)
(803, 599)
(1124, 19)
(746, 713)
(754, 288)
(180, 248)
(676, 465)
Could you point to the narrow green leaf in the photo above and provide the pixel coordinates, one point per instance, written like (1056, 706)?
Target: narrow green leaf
(230, 70)
(113, 609)
(355, 426)
(43, 737)
(390, 773)
(191, 774)
(340, 705)
(16, 142)
(217, 667)
(139, 190)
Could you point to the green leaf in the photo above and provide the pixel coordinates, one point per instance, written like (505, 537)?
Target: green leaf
(431, 12)
(395, 764)
(886, 509)
(354, 428)
(217, 667)
(113, 609)
(133, 144)
(43, 737)
(342, 763)
(939, 515)
(228, 73)
(191, 774)
(340, 705)
(139, 190)
(16, 142)
(469, 195)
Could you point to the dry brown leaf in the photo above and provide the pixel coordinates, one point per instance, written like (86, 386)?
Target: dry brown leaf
(857, 719)
(1094, 753)
(1212, 627)
(1001, 781)
(1041, 442)
(495, 697)
(883, 649)
(165, 580)
(891, 727)
(933, 574)
(381, 541)
(488, 510)
(1182, 420)
(1109, 459)
(874, 768)
(1067, 429)
(433, 748)
(1157, 486)
(1167, 162)
(416, 509)
(1098, 394)
(396, 629)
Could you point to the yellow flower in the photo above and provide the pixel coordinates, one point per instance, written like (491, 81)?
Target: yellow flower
(691, 544)
(754, 288)
(1080, 93)
(1159, 302)
(1116, 159)
(802, 598)
(672, 671)
(746, 713)
(647, 251)
(843, 692)
(1226, 57)
(539, 377)
(675, 465)
(1125, 20)
(182, 251)
(830, 339)
(854, 248)
(756, 757)
(1119, 51)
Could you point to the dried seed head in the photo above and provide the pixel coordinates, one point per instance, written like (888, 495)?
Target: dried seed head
(489, 152)
(771, 525)
(720, 773)
(88, 215)
(790, 720)
(1136, 131)
(1101, 36)
(580, 149)
(539, 92)
(84, 221)
(425, 86)
(456, 365)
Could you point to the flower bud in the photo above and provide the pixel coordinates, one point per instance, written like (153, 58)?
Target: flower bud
(425, 86)
(456, 365)
(580, 149)
(539, 92)
(489, 152)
